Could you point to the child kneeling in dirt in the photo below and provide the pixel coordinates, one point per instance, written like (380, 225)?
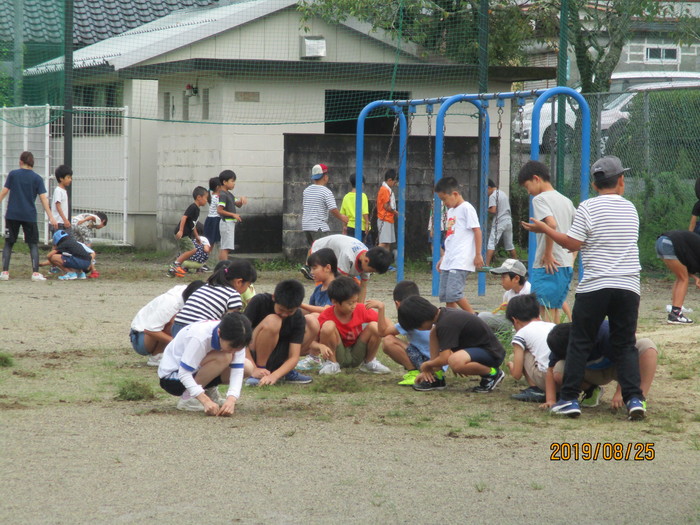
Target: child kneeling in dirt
(344, 341)
(202, 356)
(458, 339)
(600, 367)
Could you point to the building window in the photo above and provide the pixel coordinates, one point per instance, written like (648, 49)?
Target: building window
(661, 54)
(166, 106)
(205, 104)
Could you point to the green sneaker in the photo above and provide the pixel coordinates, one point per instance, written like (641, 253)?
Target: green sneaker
(409, 378)
(591, 397)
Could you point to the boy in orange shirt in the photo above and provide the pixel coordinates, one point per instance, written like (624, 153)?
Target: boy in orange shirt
(386, 210)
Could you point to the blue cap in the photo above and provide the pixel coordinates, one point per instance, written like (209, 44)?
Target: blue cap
(60, 234)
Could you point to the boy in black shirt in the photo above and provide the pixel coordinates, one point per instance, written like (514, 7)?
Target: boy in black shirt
(185, 229)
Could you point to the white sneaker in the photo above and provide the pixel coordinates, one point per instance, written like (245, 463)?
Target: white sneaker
(190, 405)
(214, 395)
(36, 276)
(329, 368)
(309, 362)
(154, 360)
(5, 276)
(374, 367)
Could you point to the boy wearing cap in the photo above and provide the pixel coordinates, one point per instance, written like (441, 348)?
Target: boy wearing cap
(317, 202)
(386, 210)
(552, 269)
(514, 281)
(606, 231)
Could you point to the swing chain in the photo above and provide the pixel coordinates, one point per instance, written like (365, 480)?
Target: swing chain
(430, 136)
(499, 124)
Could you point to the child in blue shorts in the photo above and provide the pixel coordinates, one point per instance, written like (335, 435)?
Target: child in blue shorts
(552, 269)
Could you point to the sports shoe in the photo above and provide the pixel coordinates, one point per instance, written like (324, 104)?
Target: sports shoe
(297, 378)
(252, 381)
(309, 362)
(374, 367)
(54, 269)
(566, 408)
(81, 275)
(205, 268)
(329, 368)
(36, 276)
(94, 275)
(426, 386)
(678, 319)
(409, 378)
(154, 360)
(5, 276)
(213, 393)
(531, 394)
(190, 405)
(488, 383)
(636, 409)
(306, 272)
(70, 276)
(591, 397)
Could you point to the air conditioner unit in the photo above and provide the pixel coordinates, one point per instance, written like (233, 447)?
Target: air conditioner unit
(312, 47)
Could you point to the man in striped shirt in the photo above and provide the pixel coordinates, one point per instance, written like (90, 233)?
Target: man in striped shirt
(318, 201)
(606, 230)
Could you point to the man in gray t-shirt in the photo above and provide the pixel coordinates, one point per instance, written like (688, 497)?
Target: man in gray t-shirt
(502, 224)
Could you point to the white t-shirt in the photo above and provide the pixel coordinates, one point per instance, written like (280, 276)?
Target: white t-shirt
(608, 226)
(183, 355)
(509, 294)
(88, 224)
(553, 204)
(60, 195)
(346, 250)
(502, 203)
(460, 249)
(213, 205)
(533, 338)
(159, 311)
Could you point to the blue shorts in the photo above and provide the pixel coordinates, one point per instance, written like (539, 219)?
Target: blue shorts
(74, 263)
(665, 249)
(416, 357)
(177, 326)
(483, 357)
(211, 229)
(452, 285)
(138, 343)
(551, 288)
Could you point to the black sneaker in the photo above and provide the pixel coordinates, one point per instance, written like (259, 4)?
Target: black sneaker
(532, 394)
(678, 319)
(488, 383)
(306, 272)
(425, 386)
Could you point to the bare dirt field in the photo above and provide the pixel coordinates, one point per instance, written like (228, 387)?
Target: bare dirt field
(346, 449)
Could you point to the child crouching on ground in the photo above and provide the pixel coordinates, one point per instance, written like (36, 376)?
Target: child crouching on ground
(344, 343)
(458, 339)
(201, 357)
(70, 256)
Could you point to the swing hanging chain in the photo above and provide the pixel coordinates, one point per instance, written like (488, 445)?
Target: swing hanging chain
(499, 124)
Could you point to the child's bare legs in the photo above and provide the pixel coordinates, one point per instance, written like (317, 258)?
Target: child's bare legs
(395, 348)
(680, 287)
(463, 304)
(567, 310)
(370, 335)
(330, 337)
(57, 260)
(265, 338)
(223, 254)
(647, 369)
(310, 335)
(213, 365)
(185, 255)
(549, 314)
(461, 364)
(153, 345)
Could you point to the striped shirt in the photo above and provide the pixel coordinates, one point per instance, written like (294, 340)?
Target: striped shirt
(608, 226)
(317, 202)
(208, 303)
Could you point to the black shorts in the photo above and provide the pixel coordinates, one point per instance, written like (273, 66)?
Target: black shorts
(278, 356)
(175, 388)
(31, 231)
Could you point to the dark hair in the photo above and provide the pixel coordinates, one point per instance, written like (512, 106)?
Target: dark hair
(191, 288)
(405, 289)
(238, 269)
(697, 188)
(200, 228)
(222, 264)
(523, 308)
(226, 175)
(447, 185)
(532, 168)
(235, 329)
(380, 259)
(558, 339)
(323, 257)
(27, 158)
(604, 183)
(214, 183)
(102, 216)
(342, 289)
(199, 191)
(414, 311)
(62, 171)
(289, 293)
(523, 278)
(492, 184)
(352, 179)
(390, 174)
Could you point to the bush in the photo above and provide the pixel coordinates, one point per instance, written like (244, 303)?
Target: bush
(6, 360)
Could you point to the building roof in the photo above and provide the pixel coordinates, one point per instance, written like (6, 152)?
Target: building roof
(93, 20)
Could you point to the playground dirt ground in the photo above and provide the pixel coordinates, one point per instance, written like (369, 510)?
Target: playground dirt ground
(347, 449)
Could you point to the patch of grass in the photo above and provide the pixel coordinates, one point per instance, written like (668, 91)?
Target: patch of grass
(275, 265)
(536, 486)
(6, 360)
(134, 390)
(476, 420)
(337, 384)
(480, 486)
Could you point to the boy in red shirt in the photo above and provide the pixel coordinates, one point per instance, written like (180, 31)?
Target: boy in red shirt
(344, 341)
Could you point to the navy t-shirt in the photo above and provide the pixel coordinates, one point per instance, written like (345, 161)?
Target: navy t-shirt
(192, 214)
(319, 297)
(24, 186)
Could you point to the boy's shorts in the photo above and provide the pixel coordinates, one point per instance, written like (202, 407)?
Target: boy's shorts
(277, 357)
(416, 357)
(504, 231)
(174, 387)
(228, 234)
(387, 235)
(532, 371)
(138, 343)
(351, 356)
(30, 229)
(452, 285)
(664, 248)
(75, 263)
(551, 288)
(211, 229)
(483, 357)
(184, 244)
